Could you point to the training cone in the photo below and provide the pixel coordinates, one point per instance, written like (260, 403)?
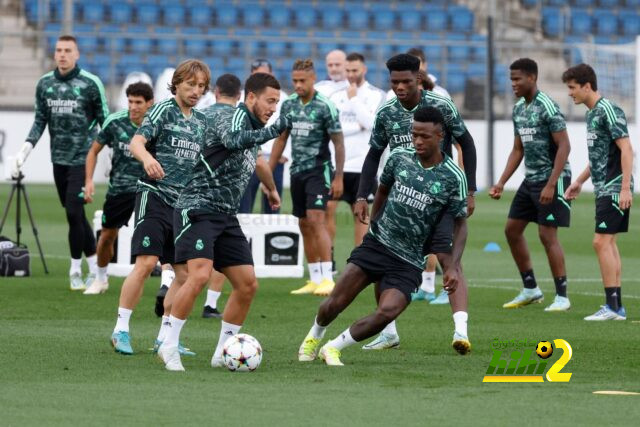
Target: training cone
(492, 247)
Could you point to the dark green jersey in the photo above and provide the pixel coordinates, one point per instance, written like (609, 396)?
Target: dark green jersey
(116, 133)
(71, 105)
(312, 123)
(534, 123)
(417, 200)
(175, 141)
(393, 122)
(222, 173)
(606, 122)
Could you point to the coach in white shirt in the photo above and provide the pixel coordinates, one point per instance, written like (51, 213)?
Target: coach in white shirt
(357, 103)
(335, 62)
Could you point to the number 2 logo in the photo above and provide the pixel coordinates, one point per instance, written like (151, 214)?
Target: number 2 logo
(554, 374)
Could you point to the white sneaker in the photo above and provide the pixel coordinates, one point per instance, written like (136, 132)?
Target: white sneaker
(559, 304)
(76, 283)
(383, 342)
(606, 313)
(171, 358)
(217, 362)
(97, 287)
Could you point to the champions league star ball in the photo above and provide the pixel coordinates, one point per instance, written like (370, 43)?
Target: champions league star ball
(242, 353)
(544, 349)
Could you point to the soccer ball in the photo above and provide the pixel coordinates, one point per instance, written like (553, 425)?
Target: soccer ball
(544, 349)
(242, 353)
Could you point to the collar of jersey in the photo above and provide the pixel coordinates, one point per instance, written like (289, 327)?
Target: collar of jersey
(315, 95)
(70, 75)
(417, 160)
(255, 123)
(417, 105)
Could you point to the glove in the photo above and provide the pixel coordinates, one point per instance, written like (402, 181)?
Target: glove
(21, 157)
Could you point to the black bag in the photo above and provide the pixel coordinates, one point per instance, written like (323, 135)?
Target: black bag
(14, 259)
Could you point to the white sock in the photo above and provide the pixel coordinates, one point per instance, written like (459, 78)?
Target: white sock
(102, 274)
(122, 323)
(166, 278)
(76, 266)
(174, 326)
(315, 272)
(212, 298)
(227, 330)
(164, 325)
(93, 264)
(460, 322)
(343, 340)
(317, 331)
(428, 281)
(390, 329)
(327, 268)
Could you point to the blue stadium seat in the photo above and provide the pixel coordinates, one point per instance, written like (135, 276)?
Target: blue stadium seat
(630, 23)
(156, 64)
(477, 69)
(606, 22)
(410, 18)
(305, 17)
(200, 16)
(167, 43)
(121, 13)
(501, 82)
(479, 51)
(455, 78)
(32, 11)
(215, 63)
(226, 16)
(279, 17)
(383, 17)
(115, 43)
(252, 45)
(358, 19)
(194, 44)
(222, 46)
(93, 13)
(331, 17)
(353, 43)
(56, 11)
(142, 43)
(436, 19)
(301, 49)
(580, 22)
(148, 13)
(610, 3)
(558, 3)
(434, 51)
(552, 21)
(632, 3)
(87, 40)
(174, 15)
(529, 3)
(583, 3)
(253, 15)
(461, 19)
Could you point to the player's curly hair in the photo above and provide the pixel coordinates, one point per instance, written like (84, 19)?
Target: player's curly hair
(140, 89)
(582, 74)
(303, 65)
(187, 70)
(428, 115)
(526, 65)
(403, 62)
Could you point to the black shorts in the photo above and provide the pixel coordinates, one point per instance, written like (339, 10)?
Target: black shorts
(381, 265)
(310, 189)
(442, 239)
(153, 232)
(217, 237)
(351, 183)
(69, 183)
(526, 204)
(610, 219)
(117, 210)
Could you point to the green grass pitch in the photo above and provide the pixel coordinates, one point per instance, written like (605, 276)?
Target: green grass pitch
(57, 367)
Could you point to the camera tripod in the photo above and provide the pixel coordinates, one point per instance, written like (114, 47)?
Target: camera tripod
(18, 187)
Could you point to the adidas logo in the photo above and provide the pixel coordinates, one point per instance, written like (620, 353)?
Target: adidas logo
(230, 333)
(318, 202)
(551, 217)
(403, 174)
(395, 126)
(602, 225)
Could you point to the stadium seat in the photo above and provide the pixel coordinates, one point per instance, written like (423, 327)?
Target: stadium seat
(174, 15)
(93, 13)
(194, 44)
(354, 43)
(148, 13)
(301, 49)
(305, 17)
(142, 43)
(253, 15)
(436, 19)
(558, 3)
(115, 42)
(630, 23)
(580, 22)
(606, 22)
(476, 69)
(479, 50)
(121, 13)
(222, 47)
(380, 51)
(87, 42)
(226, 16)
(32, 11)
(215, 63)
(56, 11)
(410, 18)
(358, 19)
(632, 3)
(583, 3)
(200, 16)
(279, 17)
(610, 3)
(552, 21)
(460, 50)
(461, 19)
(455, 78)
(529, 3)
(383, 17)
(167, 42)
(331, 17)
(250, 43)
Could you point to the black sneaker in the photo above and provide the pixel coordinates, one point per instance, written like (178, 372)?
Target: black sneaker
(159, 309)
(208, 313)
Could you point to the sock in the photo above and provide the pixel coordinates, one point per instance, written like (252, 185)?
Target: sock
(164, 324)
(315, 272)
(460, 321)
(93, 264)
(122, 324)
(528, 279)
(327, 270)
(343, 340)
(317, 331)
(390, 329)
(226, 330)
(333, 259)
(212, 298)
(76, 266)
(428, 281)
(612, 298)
(102, 274)
(166, 278)
(561, 285)
(619, 292)
(174, 326)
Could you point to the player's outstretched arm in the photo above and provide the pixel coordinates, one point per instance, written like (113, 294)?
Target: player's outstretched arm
(265, 175)
(151, 166)
(337, 185)
(561, 139)
(626, 160)
(513, 161)
(89, 168)
(278, 149)
(241, 138)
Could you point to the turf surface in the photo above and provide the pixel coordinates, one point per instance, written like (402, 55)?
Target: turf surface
(57, 366)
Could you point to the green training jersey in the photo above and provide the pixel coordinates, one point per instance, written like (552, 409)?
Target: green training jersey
(312, 123)
(534, 123)
(175, 141)
(222, 173)
(418, 198)
(393, 123)
(71, 105)
(116, 133)
(606, 122)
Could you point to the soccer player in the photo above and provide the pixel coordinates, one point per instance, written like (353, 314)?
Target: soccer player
(71, 101)
(116, 133)
(424, 68)
(610, 168)
(357, 105)
(207, 229)
(416, 188)
(335, 62)
(315, 122)
(392, 128)
(541, 138)
(168, 143)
